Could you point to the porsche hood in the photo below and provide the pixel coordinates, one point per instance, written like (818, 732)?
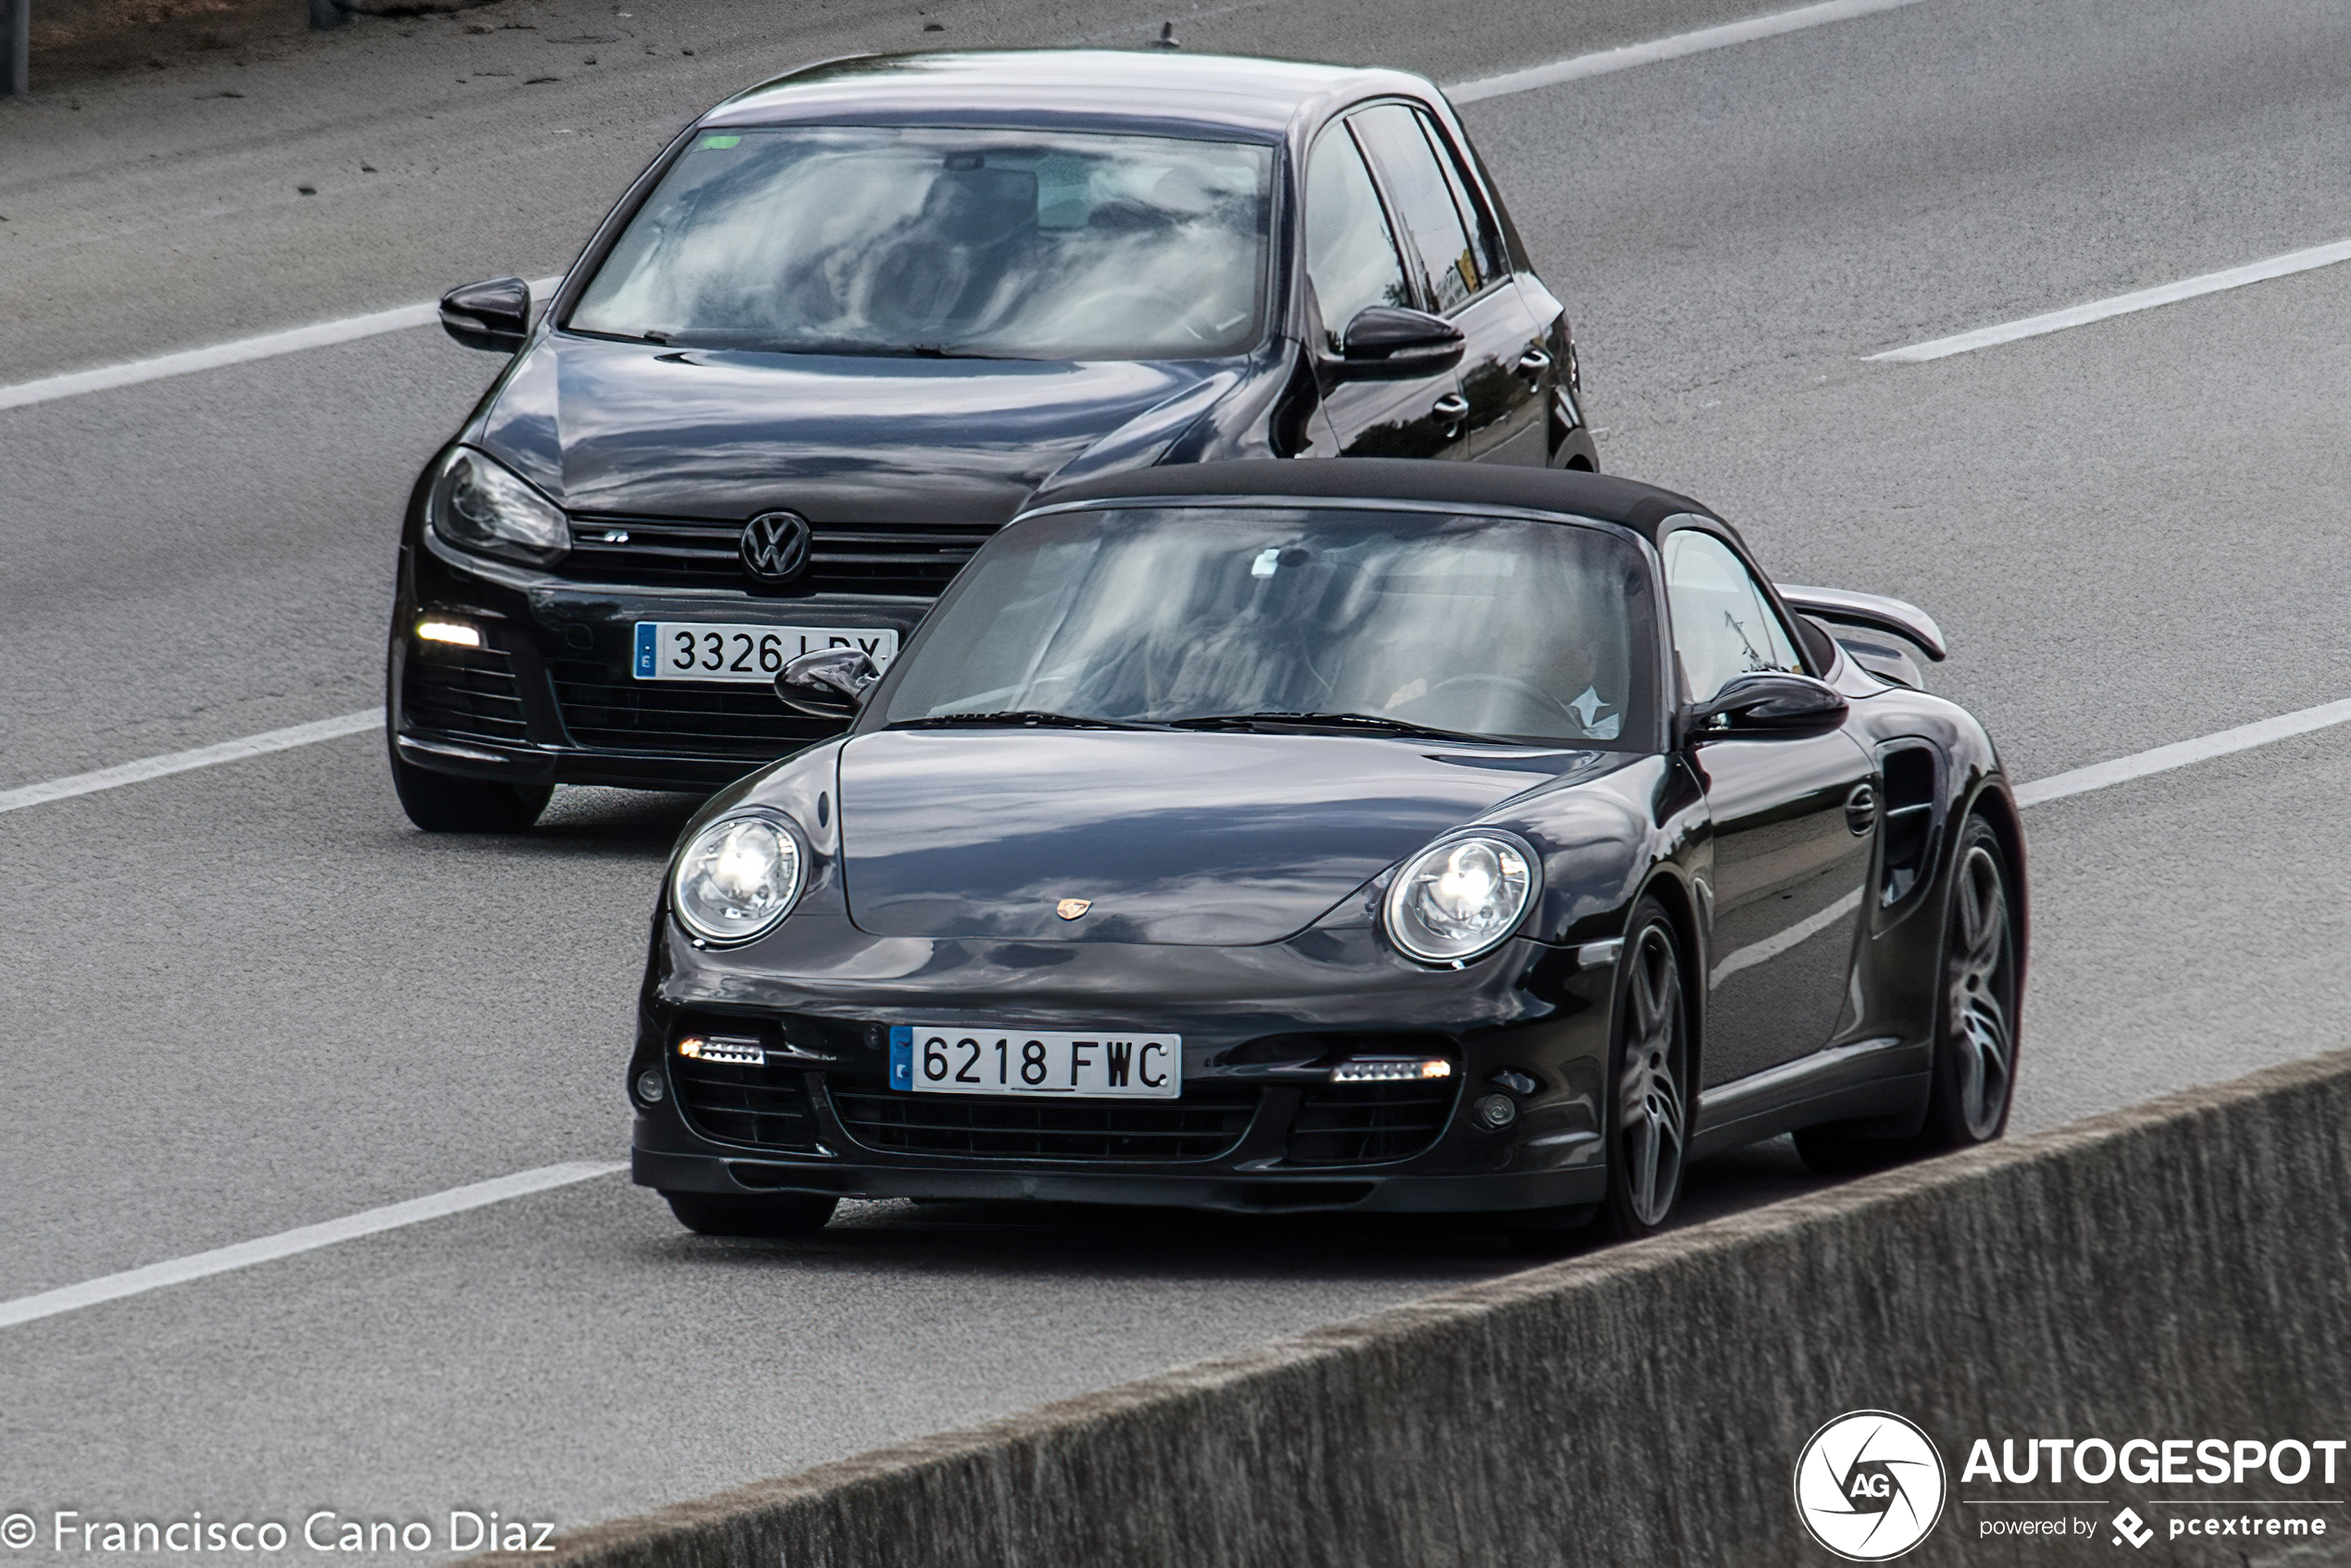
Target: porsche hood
(1179, 838)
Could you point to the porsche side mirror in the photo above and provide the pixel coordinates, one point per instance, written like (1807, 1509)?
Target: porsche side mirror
(1386, 343)
(828, 682)
(493, 314)
(1766, 704)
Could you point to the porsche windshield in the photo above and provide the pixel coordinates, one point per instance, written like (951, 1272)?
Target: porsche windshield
(942, 242)
(1289, 617)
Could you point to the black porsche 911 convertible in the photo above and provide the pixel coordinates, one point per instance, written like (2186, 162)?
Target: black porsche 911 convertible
(1372, 836)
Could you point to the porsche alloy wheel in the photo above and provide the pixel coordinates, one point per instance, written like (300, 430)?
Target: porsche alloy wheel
(1649, 1113)
(1975, 1031)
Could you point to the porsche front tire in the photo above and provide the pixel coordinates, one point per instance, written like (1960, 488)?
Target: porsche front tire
(1649, 1078)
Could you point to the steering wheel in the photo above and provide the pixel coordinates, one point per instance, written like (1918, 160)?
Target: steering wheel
(1511, 683)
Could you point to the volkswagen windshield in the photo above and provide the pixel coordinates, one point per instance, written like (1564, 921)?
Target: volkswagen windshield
(938, 242)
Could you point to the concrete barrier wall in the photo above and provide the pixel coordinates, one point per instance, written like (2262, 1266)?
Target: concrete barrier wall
(2179, 1269)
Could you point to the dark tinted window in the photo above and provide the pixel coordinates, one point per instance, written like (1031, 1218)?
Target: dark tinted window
(1485, 626)
(1424, 200)
(1350, 255)
(921, 240)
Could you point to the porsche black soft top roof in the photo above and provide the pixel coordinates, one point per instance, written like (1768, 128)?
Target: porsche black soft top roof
(1568, 491)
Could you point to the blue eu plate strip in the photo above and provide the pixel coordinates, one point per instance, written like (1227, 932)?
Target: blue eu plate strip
(901, 1056)
(646, 652)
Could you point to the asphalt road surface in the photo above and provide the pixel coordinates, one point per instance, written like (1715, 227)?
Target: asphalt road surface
(249, 997)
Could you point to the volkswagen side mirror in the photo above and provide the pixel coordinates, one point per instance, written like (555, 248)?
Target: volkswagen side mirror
(493, 314)
(1768, 704)
(828, 682)
(1386, 343)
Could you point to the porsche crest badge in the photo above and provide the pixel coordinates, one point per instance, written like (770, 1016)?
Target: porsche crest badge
(1070, 909)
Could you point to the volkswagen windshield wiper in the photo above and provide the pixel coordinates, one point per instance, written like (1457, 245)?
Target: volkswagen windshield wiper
(1283, 720)
(945, 350)
(1009, 718)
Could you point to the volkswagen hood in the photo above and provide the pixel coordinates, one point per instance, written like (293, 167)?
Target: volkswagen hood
(637, 430)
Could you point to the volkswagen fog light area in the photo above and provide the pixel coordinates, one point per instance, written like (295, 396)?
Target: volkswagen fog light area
(1374, 836)
(1080, 264)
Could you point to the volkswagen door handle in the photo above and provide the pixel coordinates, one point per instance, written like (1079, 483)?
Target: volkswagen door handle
(1450, 409)
(1532, 363)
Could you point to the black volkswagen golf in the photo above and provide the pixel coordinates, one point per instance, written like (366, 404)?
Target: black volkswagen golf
(854, 320)
(1366, 835)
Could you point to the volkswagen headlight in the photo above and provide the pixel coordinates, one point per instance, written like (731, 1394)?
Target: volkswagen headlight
(737, 878)
(482, 504)
(1459, 900)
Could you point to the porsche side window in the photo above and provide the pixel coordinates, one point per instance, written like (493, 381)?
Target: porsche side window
(1424, 201)
(1351, 254)
(1722, 625)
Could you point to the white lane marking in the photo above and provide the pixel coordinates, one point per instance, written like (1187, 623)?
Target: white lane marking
(1770, 948)
(263, 347)
(2162, 759)
(2122, 305)
(308, 1238)
(181, 762)
(2099, 776)
(1660, 49)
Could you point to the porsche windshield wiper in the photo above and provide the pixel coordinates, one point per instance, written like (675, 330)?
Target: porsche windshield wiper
(1008, 718)
(1279, 720)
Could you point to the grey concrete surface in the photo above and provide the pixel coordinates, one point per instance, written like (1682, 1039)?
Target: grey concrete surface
(1647, 1404)
(246, 999)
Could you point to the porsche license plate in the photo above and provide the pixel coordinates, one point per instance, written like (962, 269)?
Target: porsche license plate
(724, 651)
(1122, 1063)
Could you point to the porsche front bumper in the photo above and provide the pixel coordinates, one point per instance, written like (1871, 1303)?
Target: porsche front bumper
(1261, 1125)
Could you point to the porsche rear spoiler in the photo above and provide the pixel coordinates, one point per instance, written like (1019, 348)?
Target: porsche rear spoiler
(1874, 611)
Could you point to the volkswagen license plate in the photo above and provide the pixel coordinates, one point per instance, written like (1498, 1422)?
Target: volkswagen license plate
(723, 651)
(1125, 1063)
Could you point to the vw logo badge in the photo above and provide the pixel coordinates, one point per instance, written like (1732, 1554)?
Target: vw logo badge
(775, 546)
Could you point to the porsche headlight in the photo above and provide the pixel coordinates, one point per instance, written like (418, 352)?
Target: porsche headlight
(482, 504)
(1456, 900)
(737, 878)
